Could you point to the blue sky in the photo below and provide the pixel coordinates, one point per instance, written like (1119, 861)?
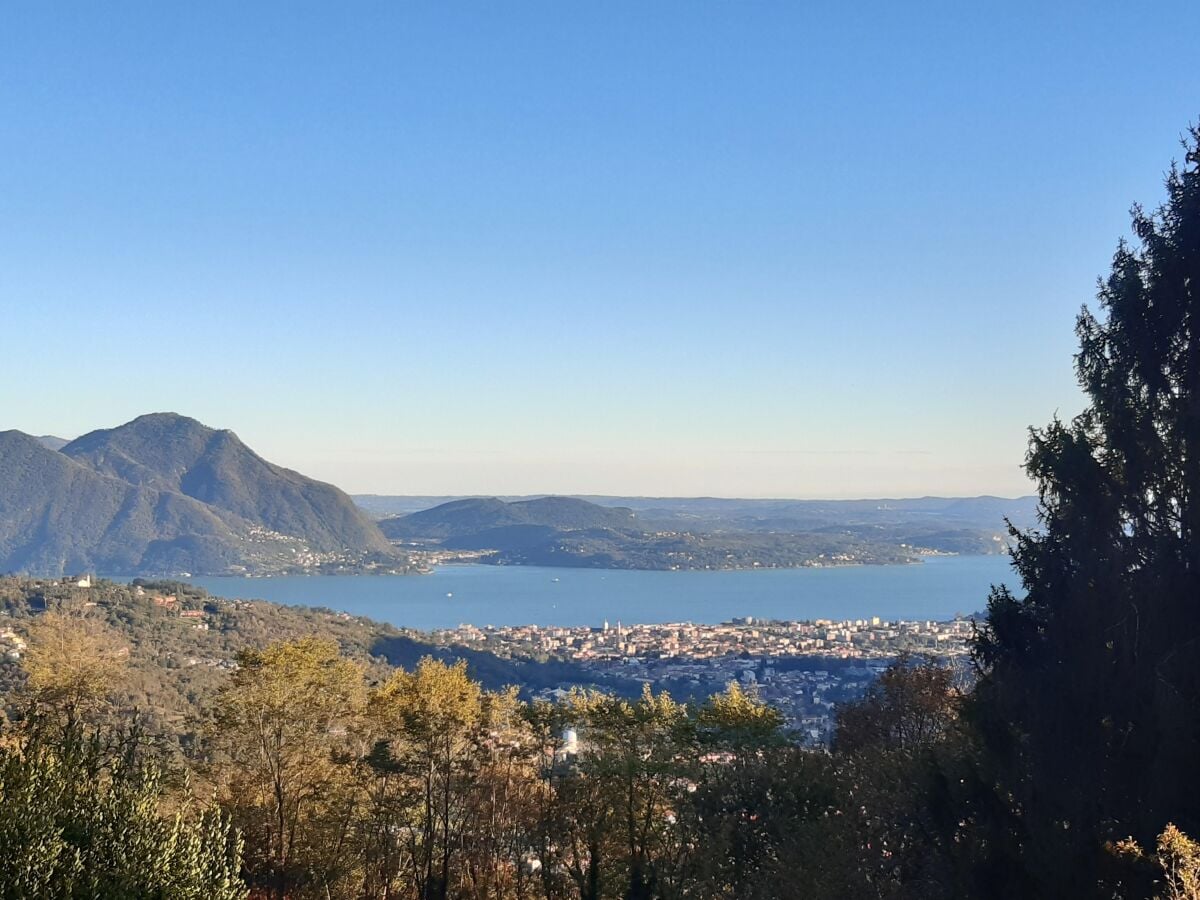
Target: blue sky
(755, 249)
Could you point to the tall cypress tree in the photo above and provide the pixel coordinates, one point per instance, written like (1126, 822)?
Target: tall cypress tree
(1090, 700)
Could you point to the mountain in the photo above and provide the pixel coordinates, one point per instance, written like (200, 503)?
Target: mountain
(58, 516)
(173, 453)
(164, 494)
(464, 518)
(52, 442)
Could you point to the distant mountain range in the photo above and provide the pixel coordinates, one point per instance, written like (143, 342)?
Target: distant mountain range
(704, 533)
(166, 494)
(754, 514)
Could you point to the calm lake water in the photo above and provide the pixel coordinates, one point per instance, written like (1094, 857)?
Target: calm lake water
(518, 595)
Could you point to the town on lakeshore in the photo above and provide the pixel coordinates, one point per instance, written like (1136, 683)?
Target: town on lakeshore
(802, 668)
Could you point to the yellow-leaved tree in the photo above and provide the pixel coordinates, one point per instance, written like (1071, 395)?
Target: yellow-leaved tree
(429, 727)
(287, 737)
(73, 663)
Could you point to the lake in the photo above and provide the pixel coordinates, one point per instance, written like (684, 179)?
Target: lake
(938, 588)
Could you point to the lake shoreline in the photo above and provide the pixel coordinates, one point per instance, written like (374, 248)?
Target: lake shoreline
(566, 596)
(433, 570)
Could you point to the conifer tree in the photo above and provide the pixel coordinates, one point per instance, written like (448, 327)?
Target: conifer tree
(1090, 701)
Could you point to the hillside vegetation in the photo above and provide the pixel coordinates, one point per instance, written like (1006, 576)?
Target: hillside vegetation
(344, 777)
(180, 642)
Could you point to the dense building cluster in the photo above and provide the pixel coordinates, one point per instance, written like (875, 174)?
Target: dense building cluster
(851, 638)
(802, 668)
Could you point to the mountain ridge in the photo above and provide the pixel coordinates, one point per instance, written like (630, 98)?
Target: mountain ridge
(457, 517)
(57, 515)
(176, 453)
(165, 494)
(707, 534)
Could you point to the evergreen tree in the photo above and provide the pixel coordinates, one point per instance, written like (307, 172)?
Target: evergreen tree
(1089, 705)
(80, 818)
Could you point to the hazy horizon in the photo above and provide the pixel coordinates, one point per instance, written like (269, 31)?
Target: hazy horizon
(648, 497)
(651, 494)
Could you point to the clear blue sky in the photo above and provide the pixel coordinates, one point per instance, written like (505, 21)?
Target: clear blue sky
(757, 249)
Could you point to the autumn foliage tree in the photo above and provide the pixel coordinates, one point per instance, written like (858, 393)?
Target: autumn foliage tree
(911, 705)
(285, 732)
(73, 664)
(429, 728)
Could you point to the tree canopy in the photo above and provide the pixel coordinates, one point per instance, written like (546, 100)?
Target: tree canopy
(1090, 700)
